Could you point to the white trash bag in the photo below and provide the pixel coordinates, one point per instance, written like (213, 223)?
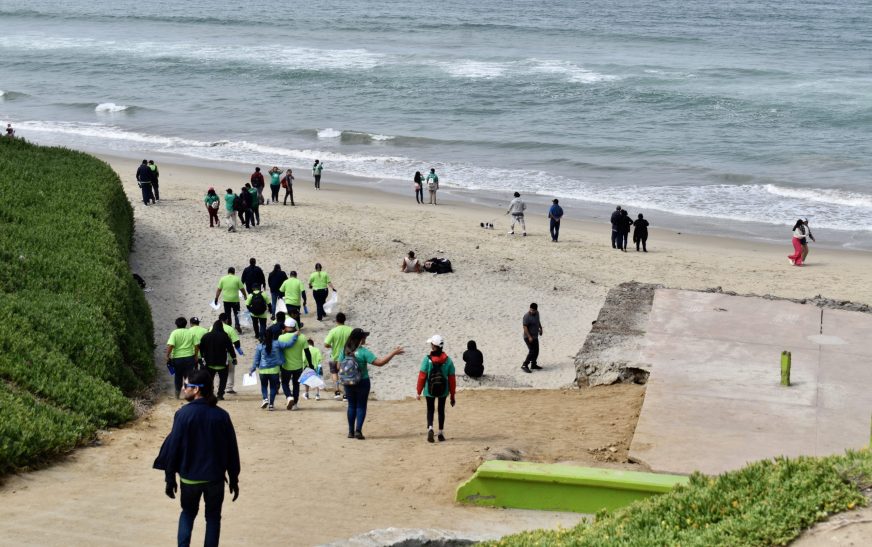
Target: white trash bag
(311, 379)
(214, 305)
(249, 379)
(245, 320)
(280, 306)
(332, 303)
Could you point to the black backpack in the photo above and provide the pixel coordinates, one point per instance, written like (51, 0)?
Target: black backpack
(436, 380)
(237, 203)
(258, 304)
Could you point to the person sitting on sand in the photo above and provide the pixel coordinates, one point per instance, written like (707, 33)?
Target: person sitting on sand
(473, 361)
(436, 380)
(411, 264)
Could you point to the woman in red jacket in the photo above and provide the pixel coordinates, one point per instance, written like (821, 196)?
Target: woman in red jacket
(436, 380)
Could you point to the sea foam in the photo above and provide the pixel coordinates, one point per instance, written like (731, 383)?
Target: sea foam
(110, 107)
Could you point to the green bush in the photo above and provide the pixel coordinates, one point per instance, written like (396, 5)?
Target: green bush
(31, 431)
(77, 329)
(768, 502)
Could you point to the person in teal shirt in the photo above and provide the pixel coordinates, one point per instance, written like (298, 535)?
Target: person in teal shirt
(255, 204)
(436, 380)
(275, 183)
(213, 202)
(229, 197)
(358, 394)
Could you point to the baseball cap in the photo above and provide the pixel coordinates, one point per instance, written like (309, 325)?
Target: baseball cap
(289, 322)
(436, 340)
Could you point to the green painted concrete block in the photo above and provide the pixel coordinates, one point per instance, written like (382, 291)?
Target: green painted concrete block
(558, 487)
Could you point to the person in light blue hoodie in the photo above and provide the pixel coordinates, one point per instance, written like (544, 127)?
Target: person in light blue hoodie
(268, 361)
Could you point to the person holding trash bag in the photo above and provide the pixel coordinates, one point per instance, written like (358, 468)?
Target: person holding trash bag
(437, 381)
(319, 281)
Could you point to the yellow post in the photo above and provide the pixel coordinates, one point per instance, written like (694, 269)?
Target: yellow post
(785, 369)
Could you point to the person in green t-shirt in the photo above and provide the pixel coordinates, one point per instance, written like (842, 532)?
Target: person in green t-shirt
(181, 353)
(294, 295)
(319, 281)
(335, 341)
(234, 339)
(314, 363)
(197, 331)
(436, 380)
(258, 300)
(358, 394)
(296, 358)
(229, 198)
(228, 289)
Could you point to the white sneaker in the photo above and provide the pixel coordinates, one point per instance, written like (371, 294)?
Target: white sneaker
(511, 233)
(306, 396)
(317, 396)
(265, 403)
(290, 403)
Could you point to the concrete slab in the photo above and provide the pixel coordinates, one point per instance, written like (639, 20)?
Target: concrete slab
(714, 400)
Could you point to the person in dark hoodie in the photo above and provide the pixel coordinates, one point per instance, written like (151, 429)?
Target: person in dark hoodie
(202, 450)
(436, 380)
(143, 179)
(473, 361)
(216, 348)
(616, 232)
(276, 278)
(625, 223)
(252, 275)
(640, 233)
(246, 215)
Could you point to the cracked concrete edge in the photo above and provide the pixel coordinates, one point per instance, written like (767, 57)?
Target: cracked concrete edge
(612, 350)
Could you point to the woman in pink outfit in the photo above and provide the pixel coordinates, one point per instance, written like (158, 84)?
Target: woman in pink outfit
(798, 240)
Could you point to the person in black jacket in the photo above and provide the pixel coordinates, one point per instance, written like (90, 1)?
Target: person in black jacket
(216, 348)
(616, 232)
(246, 215)
(144, 179)
(276, 278)
(473, 361)
(624, 223)
(252, 276)
(640, 233)
(202, 449)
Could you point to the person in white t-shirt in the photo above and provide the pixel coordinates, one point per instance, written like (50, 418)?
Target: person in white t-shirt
(411, 264)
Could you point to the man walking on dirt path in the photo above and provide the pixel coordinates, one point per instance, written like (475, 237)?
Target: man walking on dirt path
(335, 342)
(532, 332)
(202, 449)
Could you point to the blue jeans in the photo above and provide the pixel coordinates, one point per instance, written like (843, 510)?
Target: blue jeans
(271, 380)
(357, 399)
(213, 494)
(616, 239)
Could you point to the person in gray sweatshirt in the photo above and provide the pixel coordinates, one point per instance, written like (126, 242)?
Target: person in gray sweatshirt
(516, 209)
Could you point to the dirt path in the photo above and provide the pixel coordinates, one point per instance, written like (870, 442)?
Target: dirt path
(301, 474)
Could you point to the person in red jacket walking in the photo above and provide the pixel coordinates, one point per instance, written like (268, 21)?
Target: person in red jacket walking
(257, 183)
(436, 380)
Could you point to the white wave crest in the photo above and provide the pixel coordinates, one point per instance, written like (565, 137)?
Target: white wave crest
(822, 195)
(110, 107)
(570, 71)
(329, 133)
(377, 137)
(467, 68)
(2, 93)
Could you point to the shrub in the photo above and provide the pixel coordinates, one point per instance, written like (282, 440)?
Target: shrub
(768, 502)
(77, 330)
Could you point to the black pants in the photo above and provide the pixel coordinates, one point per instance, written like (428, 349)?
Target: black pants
(147, 194)
(289, 193)
(643, 239)
(419, 195)
(317, 182)
(184, 367)
(291, 377)
(222, 379)
(232, 311)
(532, 351)
(259, 324)
(213, 494)
(616, 239)
(155, 188)
(624, 237)
(320, 297)
(255, 215)
(431, 404)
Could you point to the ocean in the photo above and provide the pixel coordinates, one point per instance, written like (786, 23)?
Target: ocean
(732, 117)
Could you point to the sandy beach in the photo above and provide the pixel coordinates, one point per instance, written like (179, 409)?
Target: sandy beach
(360, 235)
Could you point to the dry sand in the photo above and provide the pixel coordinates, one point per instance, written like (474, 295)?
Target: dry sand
(299, 471)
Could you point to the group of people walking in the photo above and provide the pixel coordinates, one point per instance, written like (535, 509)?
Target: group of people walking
(147, 178)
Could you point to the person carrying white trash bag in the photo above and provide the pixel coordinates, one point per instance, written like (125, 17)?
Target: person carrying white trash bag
(332, 303)
(311, 377)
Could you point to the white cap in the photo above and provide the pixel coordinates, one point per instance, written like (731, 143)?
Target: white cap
(436, 340)
(289, 322)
